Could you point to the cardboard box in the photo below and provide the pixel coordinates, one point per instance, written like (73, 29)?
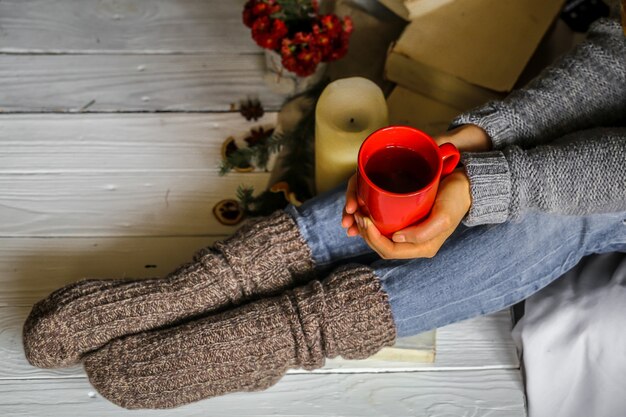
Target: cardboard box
(411, 9)
(438, 85)
(417, 110)
(467, 52)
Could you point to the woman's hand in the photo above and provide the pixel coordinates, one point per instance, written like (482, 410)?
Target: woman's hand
(424, 239)
(451, 204)
(467, 138)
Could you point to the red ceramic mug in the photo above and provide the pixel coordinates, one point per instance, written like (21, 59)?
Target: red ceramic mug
(398, 174)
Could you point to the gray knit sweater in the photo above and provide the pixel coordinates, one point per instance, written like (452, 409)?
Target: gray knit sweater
(560, 142)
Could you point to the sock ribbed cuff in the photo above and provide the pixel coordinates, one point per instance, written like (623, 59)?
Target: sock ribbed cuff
(273, 244)
(348, 314)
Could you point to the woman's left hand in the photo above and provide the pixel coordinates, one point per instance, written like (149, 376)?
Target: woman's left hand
(424, 239)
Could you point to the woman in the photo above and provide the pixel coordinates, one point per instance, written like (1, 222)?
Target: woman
(539, 189)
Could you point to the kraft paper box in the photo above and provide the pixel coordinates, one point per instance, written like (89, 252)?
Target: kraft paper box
(467, 52)
(417, 110)
(411, 9)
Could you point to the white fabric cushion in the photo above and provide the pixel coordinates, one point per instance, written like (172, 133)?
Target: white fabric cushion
(573, 336)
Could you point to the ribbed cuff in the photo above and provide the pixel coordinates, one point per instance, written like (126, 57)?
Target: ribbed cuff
(267, 241)
(490, 187)
(491, 119)
(357, 320)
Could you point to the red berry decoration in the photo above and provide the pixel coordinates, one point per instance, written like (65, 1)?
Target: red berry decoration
(268, 32)
(255, 9)
(332, 35)
(301, 54)
(296, 30)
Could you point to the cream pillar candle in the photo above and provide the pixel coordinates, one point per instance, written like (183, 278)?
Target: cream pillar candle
(347, 111)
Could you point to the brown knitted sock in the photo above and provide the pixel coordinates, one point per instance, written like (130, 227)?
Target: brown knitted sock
(248, 348)
(262, 258)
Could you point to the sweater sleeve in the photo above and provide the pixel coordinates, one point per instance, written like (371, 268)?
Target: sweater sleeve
(582, 173)
(585, 88)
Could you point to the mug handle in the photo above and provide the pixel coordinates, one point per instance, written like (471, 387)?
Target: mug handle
(450, 157)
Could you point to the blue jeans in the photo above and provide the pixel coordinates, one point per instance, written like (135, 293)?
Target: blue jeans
(479, 270)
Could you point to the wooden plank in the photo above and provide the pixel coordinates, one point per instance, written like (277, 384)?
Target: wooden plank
(489, 337)
(31, 268)
(464, 347)
(104, 83)
(56, 143)
(134, 204)
(117, 175)
(493, 393)
(130, 26)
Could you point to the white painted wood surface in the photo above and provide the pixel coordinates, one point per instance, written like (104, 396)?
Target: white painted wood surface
(117, 204)
(118, 143)
(110, 83)
(109, 194)
(31, 268)
(493, 393)
(118, 174)
(128, 26)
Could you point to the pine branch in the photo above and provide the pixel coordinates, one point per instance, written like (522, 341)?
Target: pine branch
(245, 195)
(238, 159)
(262, 152)
(297, 146)
(275, 142)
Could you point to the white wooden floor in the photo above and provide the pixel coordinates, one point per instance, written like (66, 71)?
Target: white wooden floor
(112, 117)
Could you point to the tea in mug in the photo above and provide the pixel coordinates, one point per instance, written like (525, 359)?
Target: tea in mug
(399, 170)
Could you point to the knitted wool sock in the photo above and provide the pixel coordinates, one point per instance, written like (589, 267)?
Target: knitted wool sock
(262, 258)
(248, 348)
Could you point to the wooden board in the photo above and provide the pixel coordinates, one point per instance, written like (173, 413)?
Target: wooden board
(136, 142)
(110, 83)
(117, 175)
(129, 26)
(493, 393)
(31, 268)
(469, 346)
(134, 204)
